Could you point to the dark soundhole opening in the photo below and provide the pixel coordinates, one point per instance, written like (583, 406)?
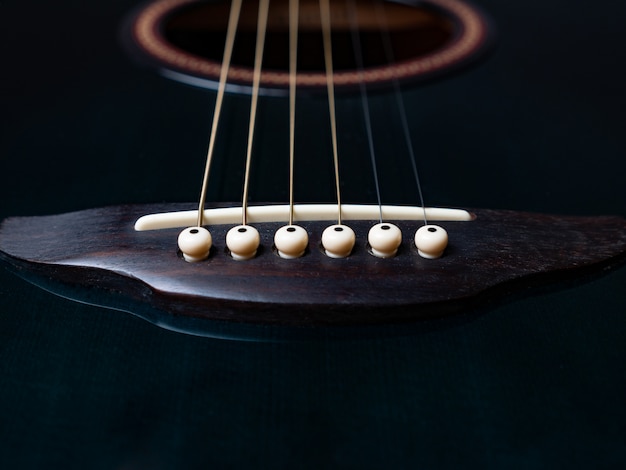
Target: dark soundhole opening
(414, 31)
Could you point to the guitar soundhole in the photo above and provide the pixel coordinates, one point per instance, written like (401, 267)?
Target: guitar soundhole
(414, 32)
(187, 37)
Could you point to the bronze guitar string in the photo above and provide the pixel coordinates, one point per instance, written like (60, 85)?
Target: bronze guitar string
(358, 56)
(233, 18)
(258, 60)
(294, 12)
(328, 60)
(384, 29)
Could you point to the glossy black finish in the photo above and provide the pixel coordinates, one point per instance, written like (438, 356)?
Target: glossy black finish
(536, 382)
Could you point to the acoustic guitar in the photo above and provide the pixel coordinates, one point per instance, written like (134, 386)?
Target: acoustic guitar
(528, 374)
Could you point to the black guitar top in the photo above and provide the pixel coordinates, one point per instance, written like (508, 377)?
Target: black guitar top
(533, 380)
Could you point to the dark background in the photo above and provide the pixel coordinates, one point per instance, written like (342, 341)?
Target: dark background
(537, 382)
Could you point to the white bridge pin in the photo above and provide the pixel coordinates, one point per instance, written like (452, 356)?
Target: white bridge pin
(243, 242)
(431, 241)
(195, 243)
(338, 241)
(291, 241)
(384, 239)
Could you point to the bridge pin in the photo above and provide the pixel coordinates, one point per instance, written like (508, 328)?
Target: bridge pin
(291, 241)
(338, 241)
(431, 241)
(243, 242)
(384, 239)
(195, 243)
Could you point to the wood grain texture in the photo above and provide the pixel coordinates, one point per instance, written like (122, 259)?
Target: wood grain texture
(499, 252)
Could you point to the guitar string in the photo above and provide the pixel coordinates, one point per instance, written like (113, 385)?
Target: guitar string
(294, 11)
(325, 18)
(328, 59)
(390, 56)
(358, 56)
(233, 19)
(256, 80)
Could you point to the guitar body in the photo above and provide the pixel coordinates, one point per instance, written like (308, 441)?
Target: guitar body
(531, 381)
